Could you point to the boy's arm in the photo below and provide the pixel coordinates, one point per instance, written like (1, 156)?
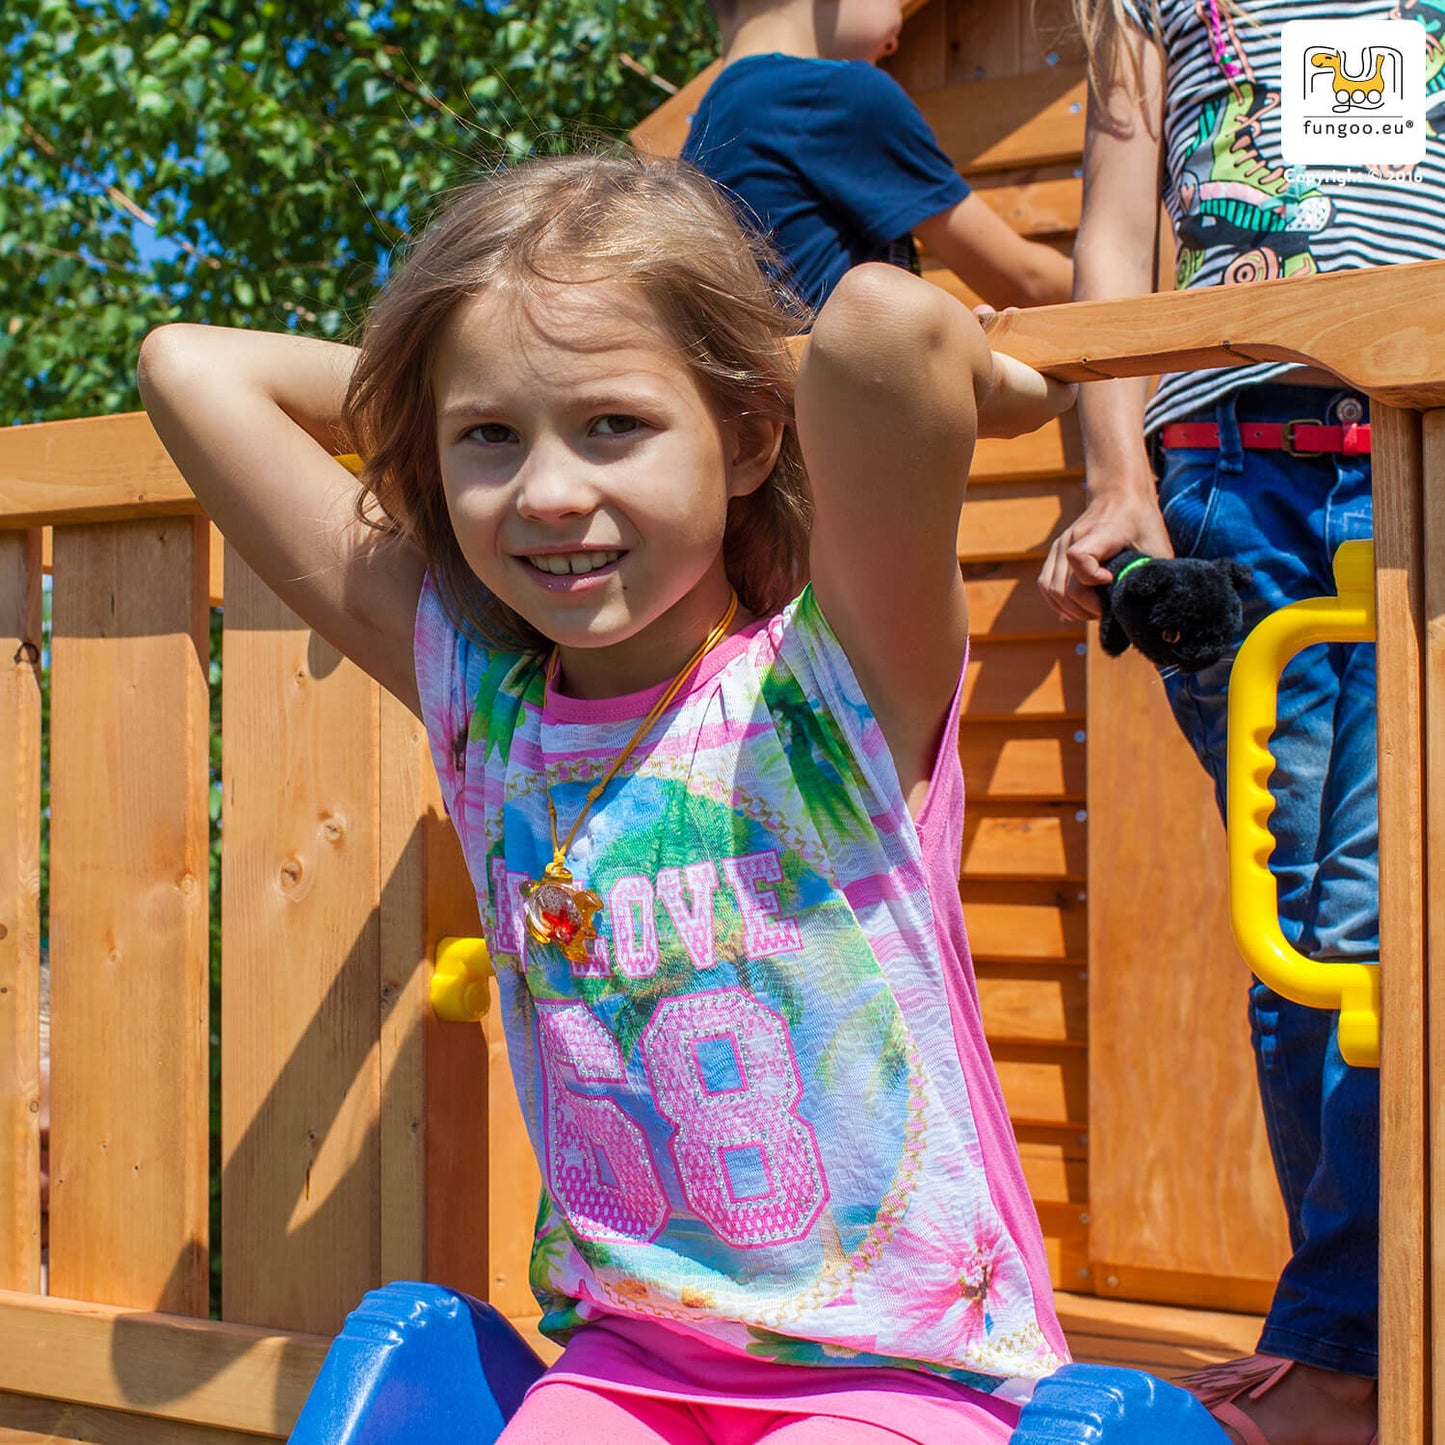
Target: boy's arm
(1114, 256)
(1006, 269)
(889, 392)
(252, 419)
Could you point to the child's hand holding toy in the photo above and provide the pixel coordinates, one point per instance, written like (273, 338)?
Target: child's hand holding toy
(1180, 612)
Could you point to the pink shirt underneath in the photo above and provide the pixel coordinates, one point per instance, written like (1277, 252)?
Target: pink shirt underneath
(628, 1356)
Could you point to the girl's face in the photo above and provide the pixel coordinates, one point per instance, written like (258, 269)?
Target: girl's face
(587, 476)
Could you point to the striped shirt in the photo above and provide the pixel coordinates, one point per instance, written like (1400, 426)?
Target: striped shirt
(1239, 213)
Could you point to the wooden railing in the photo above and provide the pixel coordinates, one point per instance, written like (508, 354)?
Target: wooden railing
(354, 1128)
(361, 1140)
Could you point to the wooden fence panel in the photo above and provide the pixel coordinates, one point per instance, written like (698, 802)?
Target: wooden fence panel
(20, 909)
(1167, 1019)
(301, 1068)
(128, 924)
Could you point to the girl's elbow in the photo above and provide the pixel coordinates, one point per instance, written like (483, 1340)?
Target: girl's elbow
(878, 311)
(165, 356)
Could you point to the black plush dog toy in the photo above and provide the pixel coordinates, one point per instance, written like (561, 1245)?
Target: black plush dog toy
(1178, 611)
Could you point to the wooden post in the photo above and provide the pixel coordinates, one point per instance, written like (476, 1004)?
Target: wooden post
(20, 909)
(1402, 559)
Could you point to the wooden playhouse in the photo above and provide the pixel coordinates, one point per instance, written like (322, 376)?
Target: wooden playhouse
(363, 1140)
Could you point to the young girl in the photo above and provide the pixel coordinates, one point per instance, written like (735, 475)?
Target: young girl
(1187, 93)
(713, 815)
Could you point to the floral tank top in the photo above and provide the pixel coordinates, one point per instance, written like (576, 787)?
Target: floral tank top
(761, 1099)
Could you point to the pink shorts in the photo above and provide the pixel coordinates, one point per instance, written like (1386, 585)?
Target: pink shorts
(633, 1382)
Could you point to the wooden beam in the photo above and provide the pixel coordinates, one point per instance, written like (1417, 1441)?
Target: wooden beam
(1404, 553)
(167, 1366)
(107, 468)
(1399, 356)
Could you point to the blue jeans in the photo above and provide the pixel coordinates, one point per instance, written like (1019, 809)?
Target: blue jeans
(1285, 516)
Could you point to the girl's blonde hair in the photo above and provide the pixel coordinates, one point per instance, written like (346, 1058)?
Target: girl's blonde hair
(657, 225)
(1103, 24)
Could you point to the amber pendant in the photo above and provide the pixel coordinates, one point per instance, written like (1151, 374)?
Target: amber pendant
(559, 910)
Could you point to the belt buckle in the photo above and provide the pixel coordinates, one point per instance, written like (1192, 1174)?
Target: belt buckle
(1287, 442)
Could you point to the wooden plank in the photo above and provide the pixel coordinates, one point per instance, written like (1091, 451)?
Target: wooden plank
(1016, 519)
(1023, 679)
(515, 1180)
(29, 1420)
(1015, 120)
(458, 1088)
(110, 468)
(300, 1075)
(1066, 1244)
(1402, 1108)
(218, 567)
(1400, 358)
(20, 910)
(165, 1367)
(1167, 993)
(1043, 1083)
(664, 131)
(1180, 1287)
(986, 41)
(1051, 453)
(1166, 1340)
(1056, 1162)
(128, 915)
(1010, 922)
(404, 763)
(921, 60)
(1042, 841)
(1004, 601)
(1048, 207)
(1034, 1003)
(1403, 570)
(1022, 758)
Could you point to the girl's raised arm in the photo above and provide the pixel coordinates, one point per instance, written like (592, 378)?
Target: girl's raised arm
(252, 419)
(890, 391)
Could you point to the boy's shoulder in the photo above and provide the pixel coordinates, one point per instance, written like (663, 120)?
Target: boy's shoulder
(798, 99)
(780, 78)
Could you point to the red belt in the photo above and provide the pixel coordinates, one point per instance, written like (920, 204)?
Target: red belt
(1297, 438)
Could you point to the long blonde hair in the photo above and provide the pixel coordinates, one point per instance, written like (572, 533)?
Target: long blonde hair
(1103, 25)
(657, 225)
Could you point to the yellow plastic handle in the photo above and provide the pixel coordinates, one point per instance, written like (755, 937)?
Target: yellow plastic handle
(459, 991)
(1352, 988)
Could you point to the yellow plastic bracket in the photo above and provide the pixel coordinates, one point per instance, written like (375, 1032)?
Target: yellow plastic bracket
(459, 991)
(1352, 988)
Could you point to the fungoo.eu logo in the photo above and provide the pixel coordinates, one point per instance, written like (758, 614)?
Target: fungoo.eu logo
(1352, 92)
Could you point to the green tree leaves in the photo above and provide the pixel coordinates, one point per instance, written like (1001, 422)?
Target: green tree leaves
(255, 162)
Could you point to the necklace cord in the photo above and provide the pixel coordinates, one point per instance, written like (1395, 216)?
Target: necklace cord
(719, 631)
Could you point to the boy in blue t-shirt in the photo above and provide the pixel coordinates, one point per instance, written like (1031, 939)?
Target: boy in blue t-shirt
(836, 162)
